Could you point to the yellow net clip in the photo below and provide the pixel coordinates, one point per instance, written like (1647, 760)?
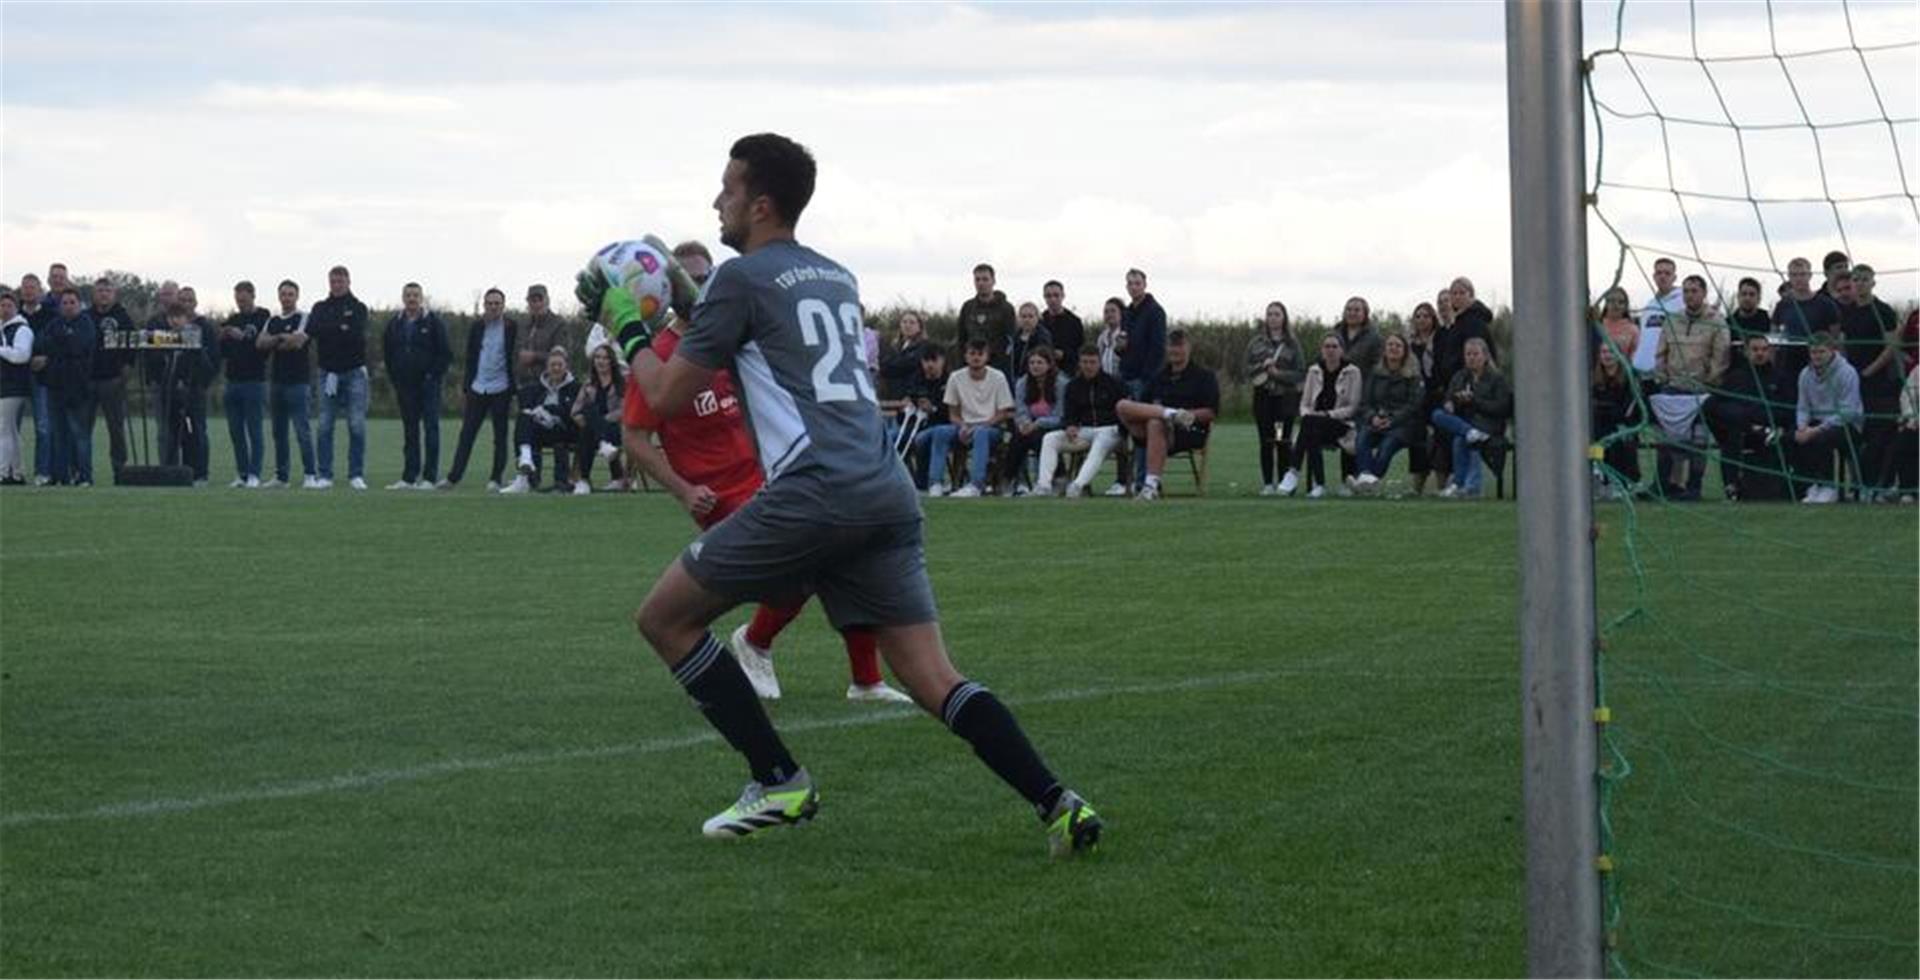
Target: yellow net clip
(1596, 452)
(1602, 715)
(1604, 863)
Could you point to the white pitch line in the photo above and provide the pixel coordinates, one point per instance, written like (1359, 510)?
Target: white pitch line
(347, 782)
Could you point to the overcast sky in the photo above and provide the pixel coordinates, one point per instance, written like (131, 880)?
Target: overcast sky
(1238, 153)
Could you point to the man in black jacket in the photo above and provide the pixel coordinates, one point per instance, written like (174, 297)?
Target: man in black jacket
(1746, 416)
(1062, 324)
(245, 396)
(1144, 328)
(117, 330)
(417, 355)
(1090, 423)
(337, 327)
(186, 376)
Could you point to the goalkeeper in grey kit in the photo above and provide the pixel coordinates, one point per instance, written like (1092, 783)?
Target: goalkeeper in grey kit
(838, 515)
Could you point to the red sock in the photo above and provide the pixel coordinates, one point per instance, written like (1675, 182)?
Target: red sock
(863, 656)
(767, 624)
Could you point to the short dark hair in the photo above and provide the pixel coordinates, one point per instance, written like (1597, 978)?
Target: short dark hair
(691, 247)
(1178, 335)
(1746, 281)
(284, 283)
(7, 295)
(102, 281)
(1826, 339)
(62, 266)
(70, 291)
(339, 270)
(180, 310)
(1089, 350)
(976, 344)
(1049, 284)
(1135, 272)
(932, 353)
(244, 286)
(1833, 258)
(411, 285)
(1691, 280)
(778, 168)
(495, 291)
(983, 267)
(1662, 260)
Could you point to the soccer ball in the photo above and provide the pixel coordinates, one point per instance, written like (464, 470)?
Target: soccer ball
(643, 270)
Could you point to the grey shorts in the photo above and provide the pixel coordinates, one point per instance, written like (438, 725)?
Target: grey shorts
(865, 576)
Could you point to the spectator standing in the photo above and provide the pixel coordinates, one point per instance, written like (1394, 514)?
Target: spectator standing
(1062, 324)
(16, 386)
(1091, 424)
(1692, 359)
(34, 305)
(1616, 323)
(980, 403)
(1423, 341)
(1113, 333)
(1826, 418)
(542, 333)
(696, 260)
(1616, 410)
(1754, 405)
(1871, 329)
(986, 317)
(1443, 308)
(1274, 372)
(546, 422)
(596, 415)
(68, 342)
(1667, 301)
(1472, 320)
(417, 354)
(117, 331)
(291, 369)
(1177, 415)
(489, 387)
(1479, 402)
(1027, 334)
(1144, 329)
(193, 373)
(1359, 340)
(1389, 416)
(1039, 403)
(1835, 265)
(245, 395)
(1329, 399)
(1801, 313)
(337, 326)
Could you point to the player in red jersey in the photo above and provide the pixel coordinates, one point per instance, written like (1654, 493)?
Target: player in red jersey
(707, 460)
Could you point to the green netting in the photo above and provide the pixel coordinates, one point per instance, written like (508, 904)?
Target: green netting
(1758, 665)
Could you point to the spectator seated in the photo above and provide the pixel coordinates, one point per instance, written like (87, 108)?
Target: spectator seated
(1090, 426)
(979, 404)
(1039, 402)
(1478, 404)
(1329, 399)
(546, 422)
(1175, 417)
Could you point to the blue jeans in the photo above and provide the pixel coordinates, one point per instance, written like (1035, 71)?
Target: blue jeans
(419, 423)
(349, 399)
(246, 401)
(1466, 462)
(290, 406)
(71, 425)
(1375, 450)
(42, 433)
(939, 440)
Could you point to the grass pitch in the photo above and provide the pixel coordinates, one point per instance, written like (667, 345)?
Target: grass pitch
(289, 733)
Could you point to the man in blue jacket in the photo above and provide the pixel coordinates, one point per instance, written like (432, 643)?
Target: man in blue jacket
(417, 355)
(68, 343)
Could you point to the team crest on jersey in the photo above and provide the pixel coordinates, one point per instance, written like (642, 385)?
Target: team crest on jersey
(706, 403)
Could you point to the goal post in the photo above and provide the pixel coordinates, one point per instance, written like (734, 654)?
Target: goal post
(1546, 148)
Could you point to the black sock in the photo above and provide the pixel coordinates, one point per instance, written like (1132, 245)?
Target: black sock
(726, 698)
(977, 716)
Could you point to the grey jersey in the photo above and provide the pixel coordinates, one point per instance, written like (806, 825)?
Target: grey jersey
(786, 321)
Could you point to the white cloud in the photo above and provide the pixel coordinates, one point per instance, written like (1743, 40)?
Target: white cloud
(367, 99)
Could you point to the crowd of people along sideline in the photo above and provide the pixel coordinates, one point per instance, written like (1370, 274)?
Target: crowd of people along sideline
(1025, 399)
